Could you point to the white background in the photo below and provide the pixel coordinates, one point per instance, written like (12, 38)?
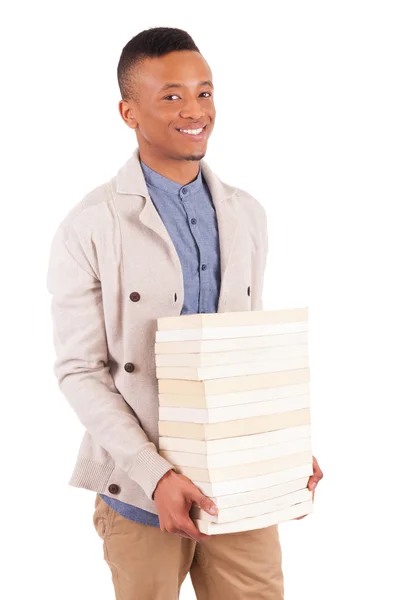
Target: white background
(307, 97)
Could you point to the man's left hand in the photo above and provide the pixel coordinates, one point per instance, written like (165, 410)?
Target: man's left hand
(313, 481)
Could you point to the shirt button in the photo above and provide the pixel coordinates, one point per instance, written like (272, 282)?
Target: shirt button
(193, 221)
(114, 488)
(203, 267)
(135, 296)
(184, 190)
(129, 367)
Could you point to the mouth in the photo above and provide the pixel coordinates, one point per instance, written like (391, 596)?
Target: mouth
(194, 134)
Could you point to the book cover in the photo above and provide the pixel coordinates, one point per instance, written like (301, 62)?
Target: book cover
(232, 444)
(235, 370)
(213, 431)
(248, 484)
(229, 319)
(238, 457)
(251, 523)
(231, 344)
(232, 413)
(228, 385)
(234, 398)
(227, 515)
(237, 472)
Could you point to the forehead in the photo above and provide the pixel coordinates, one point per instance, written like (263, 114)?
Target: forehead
(184, 67)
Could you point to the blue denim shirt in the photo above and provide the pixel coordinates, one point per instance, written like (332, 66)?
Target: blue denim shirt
(188, 214)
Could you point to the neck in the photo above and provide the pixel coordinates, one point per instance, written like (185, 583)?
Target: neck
(180, 171)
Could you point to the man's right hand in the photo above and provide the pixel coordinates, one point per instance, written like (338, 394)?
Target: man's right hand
(173, 496)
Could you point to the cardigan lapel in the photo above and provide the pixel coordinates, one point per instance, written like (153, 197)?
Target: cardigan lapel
(227, 218)
(130, 180)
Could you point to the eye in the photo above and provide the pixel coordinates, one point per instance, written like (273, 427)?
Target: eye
(176, 96)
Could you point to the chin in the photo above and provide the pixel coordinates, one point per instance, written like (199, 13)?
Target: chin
(195, 155)
(185, 154)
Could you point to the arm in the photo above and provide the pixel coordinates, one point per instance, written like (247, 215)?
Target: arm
(81, 365)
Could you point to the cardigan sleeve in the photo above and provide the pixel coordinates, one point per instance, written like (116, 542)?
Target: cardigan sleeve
(82, 371)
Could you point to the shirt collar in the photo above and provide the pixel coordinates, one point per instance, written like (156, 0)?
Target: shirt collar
(159, 181)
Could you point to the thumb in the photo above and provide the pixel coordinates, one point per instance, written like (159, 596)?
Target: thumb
(204, 502)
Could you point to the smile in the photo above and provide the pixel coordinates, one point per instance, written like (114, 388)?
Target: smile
(194, 134)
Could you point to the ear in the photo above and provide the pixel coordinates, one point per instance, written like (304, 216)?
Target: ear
(127, 113)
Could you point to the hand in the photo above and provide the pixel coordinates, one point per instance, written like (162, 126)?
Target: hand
(174, 496)
(313, 481)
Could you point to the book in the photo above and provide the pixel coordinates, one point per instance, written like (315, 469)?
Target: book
(260, 495)
(230, 319)
(231, 344)
(233, 399)
(231, 413)
(234, 413)
(248, 484)
(244, 442)
(226, 385)
(227, 429)
(212, 359)
(237, 472)
(211, 333)
(256, 509)
(251, 523)
(239, 457)
(219, 371)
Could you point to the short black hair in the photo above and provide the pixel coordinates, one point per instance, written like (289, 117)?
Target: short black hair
(156, 41)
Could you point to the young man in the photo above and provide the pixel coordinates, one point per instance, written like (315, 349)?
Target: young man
(164, 237)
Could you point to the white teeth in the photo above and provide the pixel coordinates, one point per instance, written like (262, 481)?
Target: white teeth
(192, 131)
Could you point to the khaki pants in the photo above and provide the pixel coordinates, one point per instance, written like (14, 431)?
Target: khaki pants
(148, 564)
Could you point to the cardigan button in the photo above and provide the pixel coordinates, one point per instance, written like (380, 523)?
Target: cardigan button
(114, 488)
(129, 367)
(135, 296)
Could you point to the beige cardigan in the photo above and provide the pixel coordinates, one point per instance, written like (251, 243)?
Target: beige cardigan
(113, 270)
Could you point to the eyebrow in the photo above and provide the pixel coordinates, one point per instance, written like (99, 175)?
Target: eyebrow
(180, 85)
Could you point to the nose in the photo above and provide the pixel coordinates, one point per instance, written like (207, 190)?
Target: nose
(192, 109)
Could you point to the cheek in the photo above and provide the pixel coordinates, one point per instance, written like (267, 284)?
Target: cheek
(212, 115)
(212, 110)
(154, 125)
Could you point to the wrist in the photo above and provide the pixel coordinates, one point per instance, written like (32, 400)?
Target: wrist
(166, 475)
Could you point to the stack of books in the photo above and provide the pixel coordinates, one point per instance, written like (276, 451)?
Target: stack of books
(234, 413)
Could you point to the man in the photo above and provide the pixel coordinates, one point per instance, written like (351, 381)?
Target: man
(164, 237)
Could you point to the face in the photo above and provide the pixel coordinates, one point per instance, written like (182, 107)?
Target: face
(175, 93)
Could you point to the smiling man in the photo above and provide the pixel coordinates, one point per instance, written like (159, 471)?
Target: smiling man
(169, 101)
(164, 237)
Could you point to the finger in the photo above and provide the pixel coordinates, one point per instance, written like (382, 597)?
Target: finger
(312, 483)
(190, 529)
(204, 502)
(181, 533)
(317, 469)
